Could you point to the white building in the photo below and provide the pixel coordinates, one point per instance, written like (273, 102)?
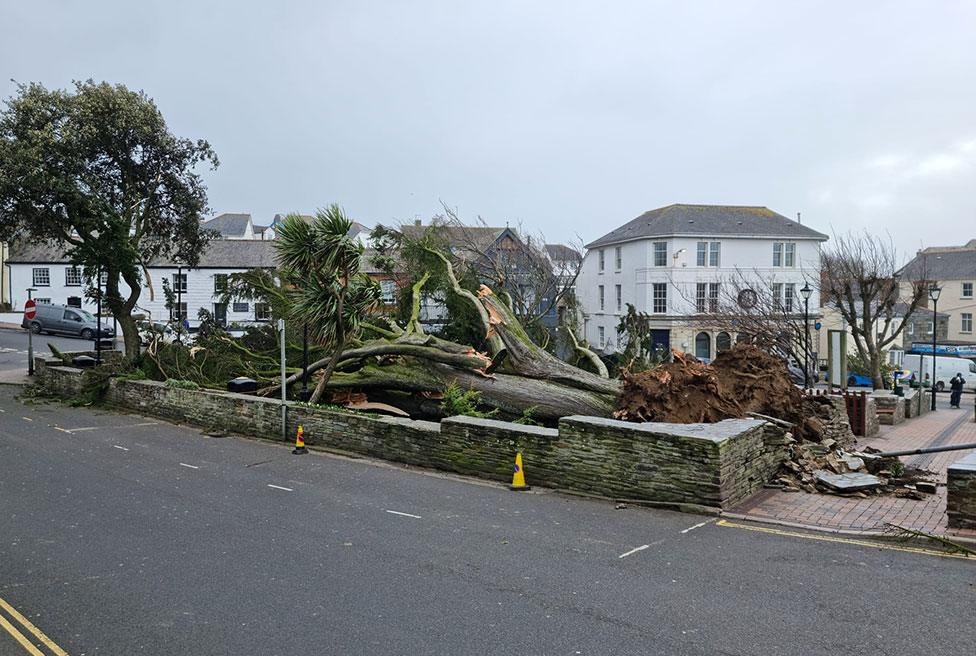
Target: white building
(56, 280)
(670, 263)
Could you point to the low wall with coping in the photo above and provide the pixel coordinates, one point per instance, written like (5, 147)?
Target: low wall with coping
(889, 407)
(703, 467)
(961, 493)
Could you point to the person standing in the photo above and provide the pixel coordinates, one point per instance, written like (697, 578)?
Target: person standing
(956, 385)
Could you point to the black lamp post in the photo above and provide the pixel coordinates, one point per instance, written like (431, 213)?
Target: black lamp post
(98, 316)
(934, 292)
(805, 293)
(179, 305)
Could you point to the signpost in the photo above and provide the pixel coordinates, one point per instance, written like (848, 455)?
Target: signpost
(30, 311)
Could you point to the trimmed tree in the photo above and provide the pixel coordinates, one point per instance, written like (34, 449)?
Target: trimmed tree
(97, 172)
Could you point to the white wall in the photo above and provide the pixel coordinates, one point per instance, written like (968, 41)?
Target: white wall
(199, 293)
(740, 259)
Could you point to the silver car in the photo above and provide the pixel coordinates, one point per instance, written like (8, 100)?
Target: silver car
(65, 320)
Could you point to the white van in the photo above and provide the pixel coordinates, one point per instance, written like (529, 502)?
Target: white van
(945, 368)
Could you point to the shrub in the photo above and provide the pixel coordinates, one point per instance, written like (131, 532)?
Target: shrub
(182, 384)
(463, 402)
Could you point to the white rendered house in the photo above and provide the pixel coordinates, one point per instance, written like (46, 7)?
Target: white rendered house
(55, 280)
(672, 262)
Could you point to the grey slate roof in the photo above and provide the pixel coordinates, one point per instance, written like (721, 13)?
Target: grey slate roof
(562, 253)
(709, 221)
(218, 254)
(942, 264)
(228, 225)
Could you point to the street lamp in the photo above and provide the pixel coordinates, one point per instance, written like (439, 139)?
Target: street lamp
(179, 303)
(805, 293)
(934, 292)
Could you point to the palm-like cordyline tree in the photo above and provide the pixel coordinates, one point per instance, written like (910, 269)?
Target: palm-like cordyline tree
(327, 291)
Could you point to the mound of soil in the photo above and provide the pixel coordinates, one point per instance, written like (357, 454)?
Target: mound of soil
(741, 380)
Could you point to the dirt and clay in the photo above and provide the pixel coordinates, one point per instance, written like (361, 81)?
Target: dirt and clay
(740, 381)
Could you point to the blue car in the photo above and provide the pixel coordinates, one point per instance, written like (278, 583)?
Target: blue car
(859, 380)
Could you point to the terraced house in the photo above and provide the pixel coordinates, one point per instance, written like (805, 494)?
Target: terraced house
(672, 263)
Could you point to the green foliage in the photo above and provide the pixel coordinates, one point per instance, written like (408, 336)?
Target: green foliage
(858, 365)
(526, 418)
(97, 171)
(463, 402)
(634, 330)
(66, 359)
(181, 384)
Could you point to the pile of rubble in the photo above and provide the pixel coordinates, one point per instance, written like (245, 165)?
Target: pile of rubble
(827, 467)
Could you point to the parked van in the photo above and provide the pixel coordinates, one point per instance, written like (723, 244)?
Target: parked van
(945, 368)
(65, 320)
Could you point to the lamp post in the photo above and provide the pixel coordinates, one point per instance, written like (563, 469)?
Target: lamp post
(30, 338)
(98, 316)
(934, 292)
(805, 293)
(179, 304)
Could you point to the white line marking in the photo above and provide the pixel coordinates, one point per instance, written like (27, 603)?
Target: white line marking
(85, 428)
(633, 551)
(278, 487)
(692, 528)
(63, 430)
(183, 464)
(27, 419)
(116, 446)
(396, 512)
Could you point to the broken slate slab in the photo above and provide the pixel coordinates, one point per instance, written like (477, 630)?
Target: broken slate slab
(850, 482)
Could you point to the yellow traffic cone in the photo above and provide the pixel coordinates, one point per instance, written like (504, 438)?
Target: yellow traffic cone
(518, 476)
(300, 448)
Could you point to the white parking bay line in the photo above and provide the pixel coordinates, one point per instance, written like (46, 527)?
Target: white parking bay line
(183, 464)
(403, 514)
(633, 551)
(121, 448)
(278, 487)
(692, 528)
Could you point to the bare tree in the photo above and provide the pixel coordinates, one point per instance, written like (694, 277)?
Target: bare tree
(861, 280)
(754, 307)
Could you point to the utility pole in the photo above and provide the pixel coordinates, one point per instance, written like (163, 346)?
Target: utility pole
(284, 389)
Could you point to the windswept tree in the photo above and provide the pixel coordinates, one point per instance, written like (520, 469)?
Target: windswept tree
(328, 293)
(97, 172)
(861, 280)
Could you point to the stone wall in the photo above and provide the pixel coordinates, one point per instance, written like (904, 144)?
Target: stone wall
(890, 408)
(961, 493)
(686, 466)
(871, 423)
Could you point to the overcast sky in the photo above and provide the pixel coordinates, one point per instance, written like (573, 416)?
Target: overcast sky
(569, 118)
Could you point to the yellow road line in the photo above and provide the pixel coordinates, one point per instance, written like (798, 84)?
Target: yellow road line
(834, 538)
(19, 637)
(26, 623)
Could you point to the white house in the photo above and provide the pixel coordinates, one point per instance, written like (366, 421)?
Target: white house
(46, 269)
(672, 262)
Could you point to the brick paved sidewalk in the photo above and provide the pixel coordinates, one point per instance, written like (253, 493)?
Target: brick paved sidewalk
(825, 511)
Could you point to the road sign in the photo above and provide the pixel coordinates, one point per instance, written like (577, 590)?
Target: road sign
(30, 310)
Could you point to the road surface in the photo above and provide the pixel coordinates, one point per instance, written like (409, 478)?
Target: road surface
(13, 347)
(123, 535)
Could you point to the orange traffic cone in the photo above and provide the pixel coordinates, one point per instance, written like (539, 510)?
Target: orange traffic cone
(518, 476)
(300, 448)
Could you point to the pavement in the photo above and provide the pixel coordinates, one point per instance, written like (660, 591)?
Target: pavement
(124, 535)
(13, 350)
(873, 514)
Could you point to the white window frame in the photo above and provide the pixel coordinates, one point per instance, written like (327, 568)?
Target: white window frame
(789, 254)
(601, 336)
(266, 312)
(220, 289)
(966, 322)
(388, 289)
(789, 296)
(661, 248)
(713, 293)
(963, 293)
(715, 254)
(179, 311)
(776, 291)
(179, 283)
(777, 253)
(619, 294)
(41, 276)
(240, 306)
(602, 259)
(601, 294)
(618, 258)
(701, 254)
(72, 276)
(654, 298)
(701, 297)
(42, 301)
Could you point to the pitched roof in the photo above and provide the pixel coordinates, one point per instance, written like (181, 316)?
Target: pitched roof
(562, 253)
(475, 238)
(217, 254)
(228, 225)
(942, 264)
(709, 221)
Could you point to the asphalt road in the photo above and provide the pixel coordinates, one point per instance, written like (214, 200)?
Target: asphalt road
(121, 535)
(13, 347)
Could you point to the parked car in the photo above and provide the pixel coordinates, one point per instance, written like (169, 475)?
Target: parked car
(859, 380)
(66, 320)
